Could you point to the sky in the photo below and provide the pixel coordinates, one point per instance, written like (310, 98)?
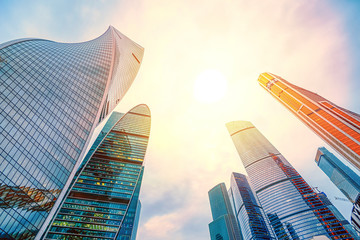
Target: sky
(313, 44)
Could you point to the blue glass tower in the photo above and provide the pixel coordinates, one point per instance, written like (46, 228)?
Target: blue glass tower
(248, 211)
(52, 96)
(224, 225)
(103, 201)
(342, 176)
(292, 207)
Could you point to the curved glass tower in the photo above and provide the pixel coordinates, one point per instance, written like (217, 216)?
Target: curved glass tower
(294, 210)
(52, 95)
(103, 200)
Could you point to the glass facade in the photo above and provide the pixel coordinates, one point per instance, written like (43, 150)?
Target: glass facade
(338, 127)
(52, 95)
(249, 213)
(224, 225)
(355, 215)
(292, 207)
(342, 176)
(103, 201)
(336, 212)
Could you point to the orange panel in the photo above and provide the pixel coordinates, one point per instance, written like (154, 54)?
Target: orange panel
(326, 104)
(335, 132)
(340, 125)
(282, 85)
(305, 110)
(276, 90)
(302, 99)
(290, 101)
(341, 114)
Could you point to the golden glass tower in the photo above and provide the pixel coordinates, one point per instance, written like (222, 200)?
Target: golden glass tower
(338, 127)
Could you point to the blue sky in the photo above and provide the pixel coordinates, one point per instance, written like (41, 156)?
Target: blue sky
(313, 44)
(349, 13)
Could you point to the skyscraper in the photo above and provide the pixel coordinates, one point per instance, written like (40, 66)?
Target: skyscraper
(346, 180)
(224, 225)
(338, 127)
(103, 201)
(355, 215)
(52, 95)
(248, 211)
(291, 205)
(336, 212)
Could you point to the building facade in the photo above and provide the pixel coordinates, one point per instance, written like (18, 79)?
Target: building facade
(345, 179)
(103, 200)
(224, 225)
(355, 215)
(294, 210)
(248, 210)
(338, 127)
(338, 215)
(52, 96)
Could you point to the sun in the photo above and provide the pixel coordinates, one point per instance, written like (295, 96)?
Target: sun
(210, 86)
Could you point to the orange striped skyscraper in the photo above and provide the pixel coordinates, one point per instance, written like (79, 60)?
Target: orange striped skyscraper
(338, 127)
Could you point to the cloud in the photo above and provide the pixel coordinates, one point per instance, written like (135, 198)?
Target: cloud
(160, 227)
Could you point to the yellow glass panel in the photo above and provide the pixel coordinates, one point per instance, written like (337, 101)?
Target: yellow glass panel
(262, 80)
(268, 76)
(292, 102)
(282, 85)
(276, 90)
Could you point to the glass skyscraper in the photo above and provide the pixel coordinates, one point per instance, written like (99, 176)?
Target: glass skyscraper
(248, 211)
(224, 225)
(294, 210)
(338, 127)
(52, 95)
(355, 215)
(342, 176)
(336, 212)
(103, 201)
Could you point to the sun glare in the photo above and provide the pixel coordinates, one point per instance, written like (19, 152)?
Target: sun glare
(210, 86)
